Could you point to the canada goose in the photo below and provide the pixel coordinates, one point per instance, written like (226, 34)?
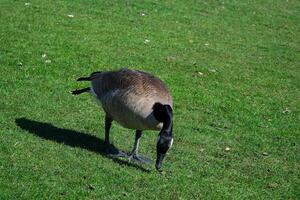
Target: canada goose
(136, 100)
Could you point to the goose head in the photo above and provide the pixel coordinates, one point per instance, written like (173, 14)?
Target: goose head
(164, 143)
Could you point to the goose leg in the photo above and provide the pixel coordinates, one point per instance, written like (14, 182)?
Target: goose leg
(110, 149)
(108, 122)
(134, 156)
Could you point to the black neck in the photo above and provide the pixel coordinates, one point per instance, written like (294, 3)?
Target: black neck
(167, 126)
(164, 114)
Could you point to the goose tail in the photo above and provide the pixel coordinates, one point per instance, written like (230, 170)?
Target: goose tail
(91, 77)
(77, 92)
(84, 79)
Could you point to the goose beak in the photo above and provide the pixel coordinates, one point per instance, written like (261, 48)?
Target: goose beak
(159, 160)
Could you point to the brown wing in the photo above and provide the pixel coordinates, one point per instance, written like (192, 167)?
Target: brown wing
(139, 83)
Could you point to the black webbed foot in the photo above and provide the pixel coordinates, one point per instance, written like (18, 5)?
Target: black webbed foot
(112, 151)
(139, 158)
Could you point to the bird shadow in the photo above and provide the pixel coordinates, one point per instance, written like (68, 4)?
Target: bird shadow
(71, 138)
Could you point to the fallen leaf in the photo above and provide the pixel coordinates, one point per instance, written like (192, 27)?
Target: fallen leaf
(20, 64)
(197, 73)
(272, 185)
(91, 187)
(170, 58)
(287, 110)
(265, 154)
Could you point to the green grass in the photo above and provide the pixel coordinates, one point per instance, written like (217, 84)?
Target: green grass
(247, 98)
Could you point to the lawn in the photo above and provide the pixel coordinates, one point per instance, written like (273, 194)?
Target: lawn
(234, 71)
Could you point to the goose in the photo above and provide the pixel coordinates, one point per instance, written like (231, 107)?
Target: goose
(136, 100)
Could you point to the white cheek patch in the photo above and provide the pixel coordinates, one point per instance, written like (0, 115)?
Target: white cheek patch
(171, 143)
